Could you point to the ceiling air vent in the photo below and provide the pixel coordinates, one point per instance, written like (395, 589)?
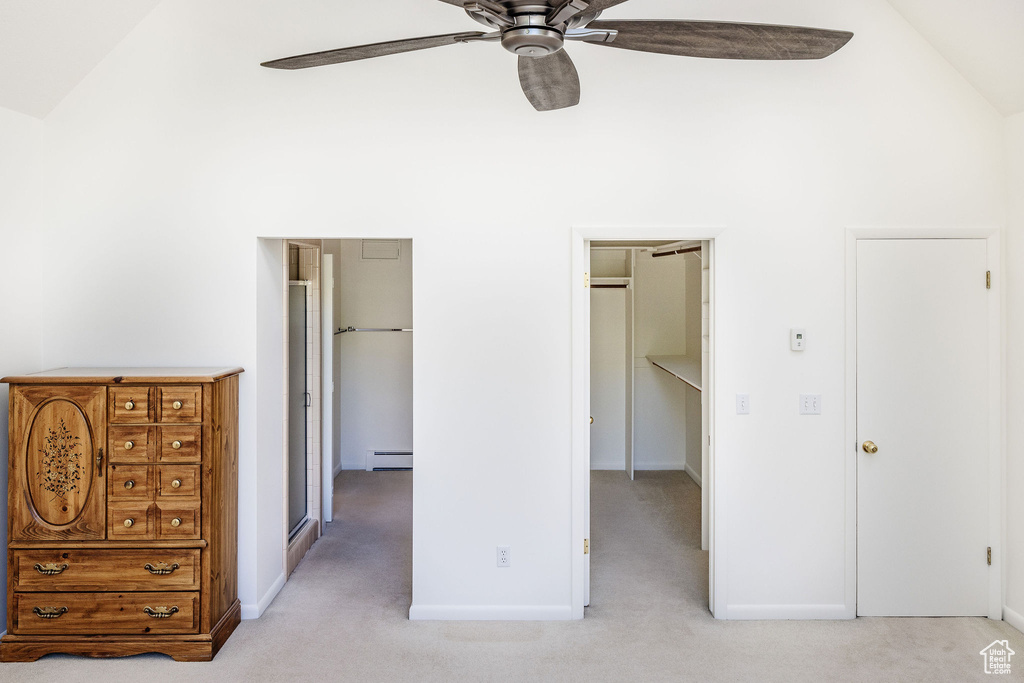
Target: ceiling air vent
(377, 250)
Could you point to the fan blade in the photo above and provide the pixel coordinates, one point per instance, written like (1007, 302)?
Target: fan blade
(722, 40)
(550, 82)
(351, 54)
(457, 3)
(602, 5)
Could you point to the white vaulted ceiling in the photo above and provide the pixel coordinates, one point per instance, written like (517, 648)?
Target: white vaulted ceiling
(983, 39)
(48, 46)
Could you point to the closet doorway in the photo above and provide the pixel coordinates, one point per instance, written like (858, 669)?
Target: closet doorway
(643, 380)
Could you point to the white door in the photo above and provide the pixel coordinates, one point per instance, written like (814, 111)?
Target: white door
(327, 402)
(609, 366)
(585, 325)
(922, 400)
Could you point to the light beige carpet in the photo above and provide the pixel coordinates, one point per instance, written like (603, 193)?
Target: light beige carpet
(343, 616)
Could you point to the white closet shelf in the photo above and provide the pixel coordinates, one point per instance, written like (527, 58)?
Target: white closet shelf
(681, 367)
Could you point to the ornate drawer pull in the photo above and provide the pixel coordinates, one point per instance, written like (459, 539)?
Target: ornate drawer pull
(130, 484)
(176, 405)
(129, 523)
(176, 484)
(160, 612)
(175, 445)
(176, 522)
(50, 568)
(161, 568)
(130, 405)
(128, 445)
(49, 612)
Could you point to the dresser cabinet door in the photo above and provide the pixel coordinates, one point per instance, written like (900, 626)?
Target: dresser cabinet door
(57, 439)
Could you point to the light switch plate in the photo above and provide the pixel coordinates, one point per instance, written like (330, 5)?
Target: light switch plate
(810, 404)
(743, 404)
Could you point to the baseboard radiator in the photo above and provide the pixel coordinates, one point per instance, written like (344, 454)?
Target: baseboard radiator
(384, 461)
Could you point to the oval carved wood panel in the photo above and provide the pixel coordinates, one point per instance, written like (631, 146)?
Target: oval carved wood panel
(58, 462)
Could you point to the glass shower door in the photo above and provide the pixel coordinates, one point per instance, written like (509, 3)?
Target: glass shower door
(298, 406)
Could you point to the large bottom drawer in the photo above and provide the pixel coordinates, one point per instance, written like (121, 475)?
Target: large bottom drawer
(100, 613)
(86, 569)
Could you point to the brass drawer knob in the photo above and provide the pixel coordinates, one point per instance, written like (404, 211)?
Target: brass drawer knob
(130, 405)
(176, 484)
(176, 522)
(161, 568)
(49, 612)
(128, 445)
(176, 405)
(130, 484)
(175, 445)
(160, 612)
(129, 523)
(50, 568)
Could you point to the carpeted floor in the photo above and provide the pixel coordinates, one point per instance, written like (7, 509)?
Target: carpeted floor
(343, 616)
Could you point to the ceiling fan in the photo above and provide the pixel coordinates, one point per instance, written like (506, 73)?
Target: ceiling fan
(536, 31)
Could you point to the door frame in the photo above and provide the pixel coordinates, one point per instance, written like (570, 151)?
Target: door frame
(580, 321)
(997, 402)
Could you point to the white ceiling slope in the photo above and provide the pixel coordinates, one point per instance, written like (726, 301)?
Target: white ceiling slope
(983, 39)
(48, 46)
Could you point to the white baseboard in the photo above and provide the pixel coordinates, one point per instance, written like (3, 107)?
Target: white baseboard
(607, 466)
(693, 475)
(659, 465)
(782, 612)
(250, 611)
(1012, 618)
(490, 613)
(338, 469)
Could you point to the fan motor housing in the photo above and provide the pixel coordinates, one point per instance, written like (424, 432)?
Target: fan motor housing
(532, 37)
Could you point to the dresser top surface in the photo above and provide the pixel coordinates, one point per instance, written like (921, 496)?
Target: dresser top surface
(124, 376)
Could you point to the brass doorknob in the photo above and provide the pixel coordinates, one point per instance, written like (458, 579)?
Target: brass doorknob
(130, 405)
(128, 445)
(176, 405)
(128, 523)
(176, 484)
(591, 419)
(175, 445)
(870, 447)
(130, 484)
(176, 522)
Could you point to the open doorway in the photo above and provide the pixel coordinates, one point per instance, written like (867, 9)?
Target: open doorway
(643, 386)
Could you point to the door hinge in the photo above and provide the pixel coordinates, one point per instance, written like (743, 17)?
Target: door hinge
(990, 556)
(988, 279)
(586, 280)
(586, 546)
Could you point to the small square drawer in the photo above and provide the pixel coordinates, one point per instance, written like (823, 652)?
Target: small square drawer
(127, 521)
(181, 444)
(131, 444)
(130, 404)
(180, 404)
(178, 521)
(130, 482)
(177, 481)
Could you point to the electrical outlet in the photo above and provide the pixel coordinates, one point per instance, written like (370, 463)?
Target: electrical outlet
(810, 404)
(743, 404)
(504, 556)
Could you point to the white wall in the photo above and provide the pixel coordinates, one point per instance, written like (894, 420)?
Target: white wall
(21, 262)
(333, 247)
(376, 368)
(178, 151)
(1015, 371)
(692, 312)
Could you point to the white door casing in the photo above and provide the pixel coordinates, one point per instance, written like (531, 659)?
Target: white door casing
(923, 398)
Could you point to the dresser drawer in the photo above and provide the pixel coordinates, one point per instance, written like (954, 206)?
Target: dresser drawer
(130, 521)
(107, 613)
(131, 444)
(180, 404)
(130, 482)
(177, 521)
(105, 570)
(181, 444)
(130, 404)
(177, 481)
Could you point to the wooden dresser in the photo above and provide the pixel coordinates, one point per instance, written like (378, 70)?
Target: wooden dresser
(123, 513)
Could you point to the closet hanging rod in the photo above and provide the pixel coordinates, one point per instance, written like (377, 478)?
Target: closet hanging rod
(691, 250)
(371, 329)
